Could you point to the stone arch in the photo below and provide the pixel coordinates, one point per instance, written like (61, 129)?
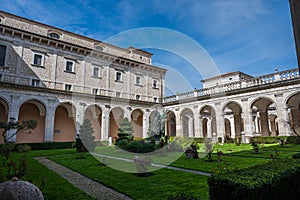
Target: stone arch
(262, 108)
(64, 123)
(32, 110)
(116, 115)
(232, 111)
(171, 123)
(137, 122)
(187, 122)
(4, 109)
(94, 114)
(208, 121)
(293, 105)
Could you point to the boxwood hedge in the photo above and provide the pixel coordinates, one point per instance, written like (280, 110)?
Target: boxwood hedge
(278, 179)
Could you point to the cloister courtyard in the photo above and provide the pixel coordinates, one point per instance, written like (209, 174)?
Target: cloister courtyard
(188, 177)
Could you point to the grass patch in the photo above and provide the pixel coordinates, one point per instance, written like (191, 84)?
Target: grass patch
(160, 185)
(55, 187)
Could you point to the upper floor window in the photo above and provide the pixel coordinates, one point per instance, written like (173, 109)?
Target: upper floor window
(35, 82)
(70, 66)
(54, 35)
(155, 99)
(118, 94)
(138, 80)
(138, 97)
(95, 91)
(38, 59)
(96, 71)
(68, 87)
(2, 54)
(119, 76)
(155, 84)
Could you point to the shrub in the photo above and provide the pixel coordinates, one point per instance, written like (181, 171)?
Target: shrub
(296, 156)
(146, 148)
(122, 144)
(199, 140)
(228, 140)
(278, 179)
(24, 148)
(219, 139)
(182, 196)
(49, 145)
(125, 130)
(293, 140)
(237, 141)
(133, 146)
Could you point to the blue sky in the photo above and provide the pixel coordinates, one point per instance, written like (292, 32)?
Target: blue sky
(254, 36)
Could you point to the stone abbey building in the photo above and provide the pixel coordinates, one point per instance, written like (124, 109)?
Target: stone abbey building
(59, 78)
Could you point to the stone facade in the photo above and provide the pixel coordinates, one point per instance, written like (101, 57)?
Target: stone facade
(60, 78)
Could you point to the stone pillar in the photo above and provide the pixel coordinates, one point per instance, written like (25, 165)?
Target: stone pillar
(237, 125)
(232, 127)
(198, 128)
(209, 129)
(190, 126)
(247, 117)
(282, 116)
(220, 121)
(146, 124)
(49, 125)
(79, 116)
(127, 113)
(105, 123)
(13, 113)
(178, 124)
(264, 123)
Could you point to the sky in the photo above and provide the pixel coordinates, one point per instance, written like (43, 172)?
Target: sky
(254, 37)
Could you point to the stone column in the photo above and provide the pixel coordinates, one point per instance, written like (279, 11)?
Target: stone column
(146, 124)
(197, 129)
(105, 123)
(232, 127)
(49, 125)
(247, 117)
(190, 126)
(13, 113)
(237, 125)
(178, 124)
(200, 126)
(264, 123)
(79, 115)
(282, 116)
(220, 121)
(209, 129)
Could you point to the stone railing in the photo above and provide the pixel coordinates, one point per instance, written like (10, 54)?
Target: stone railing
(256, 81)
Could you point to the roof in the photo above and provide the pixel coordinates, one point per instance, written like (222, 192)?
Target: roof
(226, 75)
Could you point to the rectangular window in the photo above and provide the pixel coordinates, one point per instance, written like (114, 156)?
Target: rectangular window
(95, 91)
(38, 59)
(35, 83)
(155, 84)
(138, 97)
(138, 80)
(70, 66)
(118, 94)
(155, 99)
(2, 55)
(68, 87)
(118, 76)
(96, 71)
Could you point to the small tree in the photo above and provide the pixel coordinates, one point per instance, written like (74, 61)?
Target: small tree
(125, 130)
(86, 142)
(13, 125)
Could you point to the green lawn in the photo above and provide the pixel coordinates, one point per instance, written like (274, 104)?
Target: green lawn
(161, 184)
(55, 187)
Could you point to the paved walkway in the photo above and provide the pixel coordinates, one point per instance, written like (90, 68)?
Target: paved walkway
(158, 165)
(85, 184)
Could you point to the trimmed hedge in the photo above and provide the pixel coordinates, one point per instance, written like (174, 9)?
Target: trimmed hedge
(274, 180)
(49, 145)
(273, 140)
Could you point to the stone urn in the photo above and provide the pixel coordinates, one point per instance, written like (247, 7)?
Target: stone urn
(17, 189)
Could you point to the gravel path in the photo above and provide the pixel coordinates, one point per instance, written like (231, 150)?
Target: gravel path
(85, 184)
